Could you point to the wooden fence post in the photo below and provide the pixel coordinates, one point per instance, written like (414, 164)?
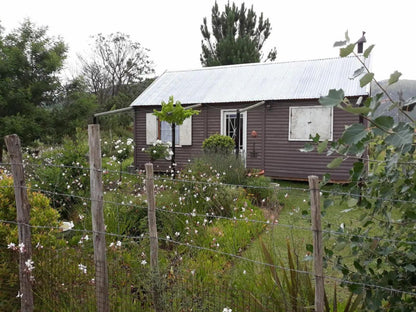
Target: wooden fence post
(98, 227)
(23, 219)
(317, 243)
(154, 245)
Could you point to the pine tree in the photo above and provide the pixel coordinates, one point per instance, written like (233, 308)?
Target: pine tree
(237, 37)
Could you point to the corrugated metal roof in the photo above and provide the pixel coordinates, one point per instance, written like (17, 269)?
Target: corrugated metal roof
(255, 82)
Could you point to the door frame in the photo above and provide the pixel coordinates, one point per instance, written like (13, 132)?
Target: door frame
(243, 115)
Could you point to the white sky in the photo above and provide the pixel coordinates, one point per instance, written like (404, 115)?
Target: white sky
(301, 29)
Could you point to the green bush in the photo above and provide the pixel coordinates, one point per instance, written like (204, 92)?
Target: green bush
(62, 171)
(260, 189)
(217, 143)
(227, 168)
(41, 215)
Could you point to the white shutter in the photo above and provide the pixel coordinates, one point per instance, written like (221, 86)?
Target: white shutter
(185, 132)
(151, 128)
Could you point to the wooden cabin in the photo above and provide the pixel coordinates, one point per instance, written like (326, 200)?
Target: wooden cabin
(278, 107)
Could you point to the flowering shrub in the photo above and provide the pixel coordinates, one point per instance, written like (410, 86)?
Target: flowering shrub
(159, 150)
(62, 172)
(118, 150)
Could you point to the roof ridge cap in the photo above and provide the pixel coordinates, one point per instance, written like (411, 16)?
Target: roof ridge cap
(254, 64)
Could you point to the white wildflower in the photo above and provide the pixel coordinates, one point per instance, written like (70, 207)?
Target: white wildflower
(82, 268)
(66, 226)
(29, 265)
(21, 247)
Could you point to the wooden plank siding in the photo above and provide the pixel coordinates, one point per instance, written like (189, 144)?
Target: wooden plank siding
(279, 157)
(283, 159)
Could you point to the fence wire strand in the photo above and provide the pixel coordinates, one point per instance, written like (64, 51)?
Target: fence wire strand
(291, 191)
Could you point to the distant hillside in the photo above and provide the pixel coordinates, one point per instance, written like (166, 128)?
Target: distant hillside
(399, 92)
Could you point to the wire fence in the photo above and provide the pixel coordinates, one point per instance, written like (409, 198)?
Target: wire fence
(215, 254)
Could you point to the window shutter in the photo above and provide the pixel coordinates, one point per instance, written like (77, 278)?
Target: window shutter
(185, 132)
(151, 128)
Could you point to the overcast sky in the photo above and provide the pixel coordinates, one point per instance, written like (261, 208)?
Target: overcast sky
(301, 29)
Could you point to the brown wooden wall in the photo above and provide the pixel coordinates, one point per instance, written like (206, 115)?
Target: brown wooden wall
(270, 150)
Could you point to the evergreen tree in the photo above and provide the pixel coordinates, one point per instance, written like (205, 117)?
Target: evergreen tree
(29, 65)
(237, 37)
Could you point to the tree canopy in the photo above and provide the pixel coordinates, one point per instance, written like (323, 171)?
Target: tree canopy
(115, 68)
(237, 36)
(30, 62)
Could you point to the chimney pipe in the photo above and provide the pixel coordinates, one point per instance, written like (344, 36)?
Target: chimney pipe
(360, 43)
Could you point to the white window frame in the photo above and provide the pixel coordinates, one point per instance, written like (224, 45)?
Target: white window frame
(152, 129)
(309, 109)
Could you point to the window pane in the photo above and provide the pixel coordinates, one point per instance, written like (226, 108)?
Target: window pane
(231, 126)
(166, 132)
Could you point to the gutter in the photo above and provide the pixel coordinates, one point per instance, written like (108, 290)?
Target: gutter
(112, 112)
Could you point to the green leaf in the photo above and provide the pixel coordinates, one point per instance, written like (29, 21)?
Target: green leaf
(366, 79)
(357, 110)
(343, 52)
(328, 203)
(334, 98)
(410, 101)
(340, 43)
(402, 136)
(358, 72)
(347, 38)
(368, 51)
(322, 146)
(336, 162)
(394, 77)
(307, 148)
(385, 122)
(356, 171)
(352, 202)
(410, 268)
(354, 134)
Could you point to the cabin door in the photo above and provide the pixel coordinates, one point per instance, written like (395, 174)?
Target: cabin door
(229, 126)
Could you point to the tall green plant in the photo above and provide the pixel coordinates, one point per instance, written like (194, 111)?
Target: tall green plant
(237, 36)
(386, 193)
(29, 66)
(175, 114)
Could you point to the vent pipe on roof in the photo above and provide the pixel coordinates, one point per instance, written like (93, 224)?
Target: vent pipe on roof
(360, 43)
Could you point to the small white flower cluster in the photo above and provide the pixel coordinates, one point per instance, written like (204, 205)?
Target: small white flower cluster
(20, 247)
(84, 238)
(115, 245)
(82, 268)
(159, 150)
(29, 265)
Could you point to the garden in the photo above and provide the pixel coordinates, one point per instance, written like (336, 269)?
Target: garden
(221, 230)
